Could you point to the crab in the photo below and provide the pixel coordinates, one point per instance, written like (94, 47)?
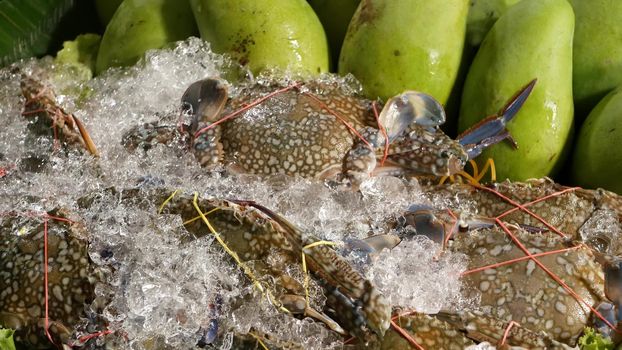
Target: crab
(41, 107)
(268, 249)
(567, 210)
(523, 300)
(317, 130)
(253, 232)
(70, 277)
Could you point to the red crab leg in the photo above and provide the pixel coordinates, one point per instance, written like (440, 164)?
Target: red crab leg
(88, 142)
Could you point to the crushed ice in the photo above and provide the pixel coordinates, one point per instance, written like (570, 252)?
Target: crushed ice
(603, 230)
(416, 277)
(160, 286)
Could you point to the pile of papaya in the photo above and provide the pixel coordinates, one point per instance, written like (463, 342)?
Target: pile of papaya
(469, 54)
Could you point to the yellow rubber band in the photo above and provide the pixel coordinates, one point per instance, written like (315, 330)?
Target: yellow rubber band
(258, 340)
(237, 259)
(199, 216)
(475, 168)
(166, 201)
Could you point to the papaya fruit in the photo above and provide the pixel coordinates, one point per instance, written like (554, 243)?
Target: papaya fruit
(597, 158)
(140, 25)
(533, 39)
(281, 34)
(397, 45)
(597, 55)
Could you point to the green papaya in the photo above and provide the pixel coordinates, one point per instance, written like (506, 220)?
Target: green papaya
(482, 15)
(597, 159)
(397, 45)
(140, 25)
(335, 16)
(533, 39)
(597, 56)
(281, 34)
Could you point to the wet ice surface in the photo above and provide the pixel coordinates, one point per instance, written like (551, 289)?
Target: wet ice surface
(157, 283)
(414, 272)
(603, 231)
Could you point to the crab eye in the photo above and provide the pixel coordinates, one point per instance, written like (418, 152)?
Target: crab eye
(444, 154)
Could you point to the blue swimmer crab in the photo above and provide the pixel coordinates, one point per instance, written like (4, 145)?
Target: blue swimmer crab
(70, 277)
(317, 130)
(556, 223)
(262, 243)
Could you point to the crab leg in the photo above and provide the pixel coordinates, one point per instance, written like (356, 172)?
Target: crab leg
(88, 142)
(492, 129)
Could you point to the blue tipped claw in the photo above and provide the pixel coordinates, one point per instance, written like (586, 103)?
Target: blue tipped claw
(491, 130)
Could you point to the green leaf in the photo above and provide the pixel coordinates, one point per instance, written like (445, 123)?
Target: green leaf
(592, 340)
(27, 27)
(6, 339)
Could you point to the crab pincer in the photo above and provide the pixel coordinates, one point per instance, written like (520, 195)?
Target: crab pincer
(416, 145)
(492, 129)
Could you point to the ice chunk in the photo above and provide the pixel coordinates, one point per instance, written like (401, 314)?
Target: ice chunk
(482, 346)
(603, 231)
(415, 276)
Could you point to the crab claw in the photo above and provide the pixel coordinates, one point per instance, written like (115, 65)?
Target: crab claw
(421, 217)
(335, 271)
(492, 129)
(370, 247)
(437, 225)
(407, 108)
(205, 99)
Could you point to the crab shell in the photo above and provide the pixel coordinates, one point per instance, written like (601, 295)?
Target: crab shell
(70, 278)
(569, 210)
(315, 133)
(522, 291)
